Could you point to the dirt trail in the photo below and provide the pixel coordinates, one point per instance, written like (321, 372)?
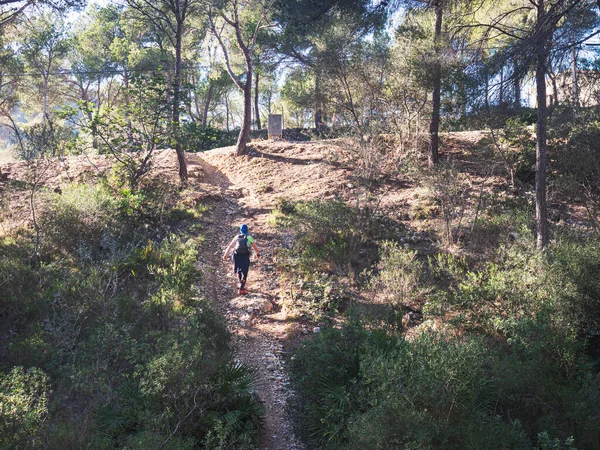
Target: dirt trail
(258, 335)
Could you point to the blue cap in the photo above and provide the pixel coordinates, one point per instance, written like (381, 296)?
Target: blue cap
(244, 229)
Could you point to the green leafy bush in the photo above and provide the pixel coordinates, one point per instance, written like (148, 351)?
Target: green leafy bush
(82, 213)
(195, 139)
(113, 317)
(327, 234)
(513, 363)
(400, 275)
(317, 298)
(368, 390)
(24, 396)
(573, 279)
(576, 159)
(520, 139)
(21, 297)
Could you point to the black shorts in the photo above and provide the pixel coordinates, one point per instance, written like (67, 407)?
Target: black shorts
(241, 263)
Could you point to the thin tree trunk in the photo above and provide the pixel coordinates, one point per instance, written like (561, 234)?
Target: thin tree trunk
(244, 136)
(127, 102)
(227, 112)
(574, 80)
(256, 106)
(541, 213)
(501, 93)
(36, 226)
(437, 88)
(183, 174)
(319, 122)
(211, 88)
(517, 86)
(45, 100)
(554, 91)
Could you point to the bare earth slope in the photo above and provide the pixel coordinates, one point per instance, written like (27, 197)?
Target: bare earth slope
(246, 189)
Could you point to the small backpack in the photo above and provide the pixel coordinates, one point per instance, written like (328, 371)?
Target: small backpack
(241, 246)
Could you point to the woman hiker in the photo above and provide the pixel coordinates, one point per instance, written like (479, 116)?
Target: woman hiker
(241, 255)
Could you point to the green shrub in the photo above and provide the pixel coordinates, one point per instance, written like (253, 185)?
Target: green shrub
(19, 282)
(496, 294)
(363, 389)
(81, 214)
(511, 368)
(113, 316)
(325, 371)
(400, 275)
(317, 298)
(327, 234)
(522, 149)
(148, 202)
(172, 268)
(24, 398)
(195, 139)
(576, 162)
(448, 188)
(328, 240)
(573, 278)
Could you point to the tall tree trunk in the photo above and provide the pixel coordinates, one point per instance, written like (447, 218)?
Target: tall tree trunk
(554, 91)
(227, 112)
(319, 101)
(244, 136)
(209, 94)
(517, 86)
(126, 98)
(45, 99)
(486, 100)
(183, 174)
(574, 81)
(501, 93)
(256, 106)
(541, 213)
(437, 88)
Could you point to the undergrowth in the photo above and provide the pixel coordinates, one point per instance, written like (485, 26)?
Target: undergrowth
(108, 341)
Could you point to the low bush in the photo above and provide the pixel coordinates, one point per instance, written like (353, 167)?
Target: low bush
(113, 319)
(318, 298)
(24, 396)
(520, 140)
(195, 139)
(329, 246)
(328, 234)
(399, 282)
(506, 357)
(81, 213)
(364, 389)
(576, 162)
(572, 280)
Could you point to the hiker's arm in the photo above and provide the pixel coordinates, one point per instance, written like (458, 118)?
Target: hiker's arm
(229, 247)
(256, 250)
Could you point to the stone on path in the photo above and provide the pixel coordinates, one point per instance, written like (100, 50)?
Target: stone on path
(253, 302)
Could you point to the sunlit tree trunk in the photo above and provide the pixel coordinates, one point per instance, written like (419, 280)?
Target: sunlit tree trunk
(541, 213)
(517, 87)
(574, 81)
(437, 88)
(183, 174)
(209, 94)
(244, 136)
(319, 101)
(256, 105)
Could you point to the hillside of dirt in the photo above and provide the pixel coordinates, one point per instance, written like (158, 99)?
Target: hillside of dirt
(246, 189)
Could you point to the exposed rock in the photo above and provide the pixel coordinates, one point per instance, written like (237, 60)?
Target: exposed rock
(253, 303)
